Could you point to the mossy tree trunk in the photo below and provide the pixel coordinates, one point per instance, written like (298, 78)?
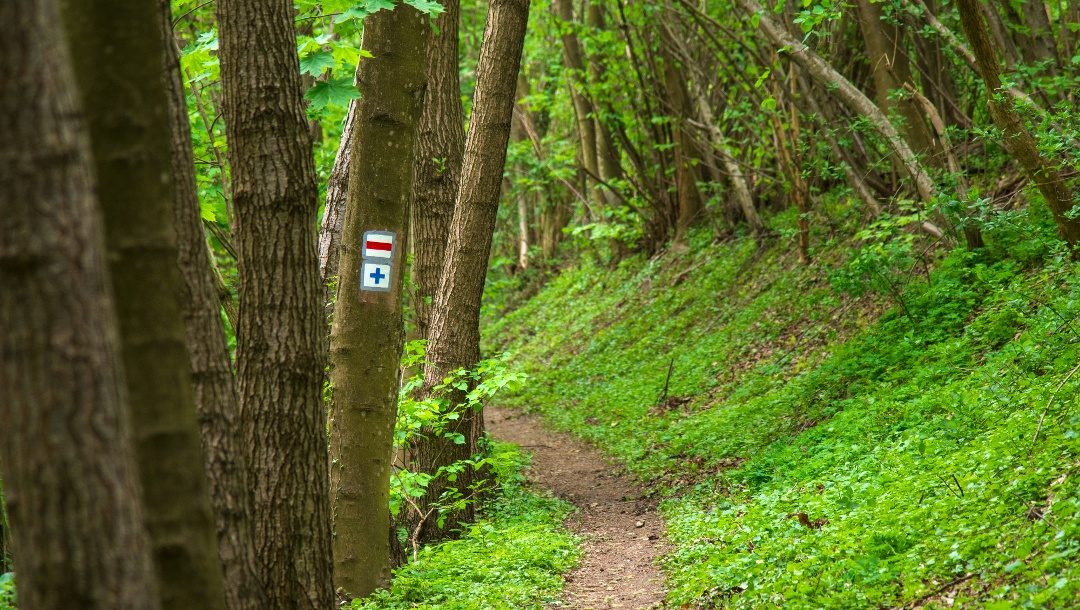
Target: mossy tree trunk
(280, 335)
(215, 389)
(118, 58)
(68, 461)
(368, 332)
(1059, 198)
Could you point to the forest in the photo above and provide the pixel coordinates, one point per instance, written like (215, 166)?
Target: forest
(500, 304)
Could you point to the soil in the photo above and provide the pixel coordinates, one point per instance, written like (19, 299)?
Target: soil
(623, 531)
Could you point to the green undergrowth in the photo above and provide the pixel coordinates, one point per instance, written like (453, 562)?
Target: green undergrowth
(512, 557)
(878, 429)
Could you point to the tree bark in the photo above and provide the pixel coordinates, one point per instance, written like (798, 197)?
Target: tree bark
(454, 340)
(440, 146)
(337, 192)
(1017, 139)
(117, 51)
(367, 335)
(70, 480)
(281, 333)
(211, 364)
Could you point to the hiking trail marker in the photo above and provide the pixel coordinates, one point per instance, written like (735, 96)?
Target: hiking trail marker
(377, 270)
(378, 245)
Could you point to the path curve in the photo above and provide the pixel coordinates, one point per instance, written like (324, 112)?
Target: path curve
(623, 531)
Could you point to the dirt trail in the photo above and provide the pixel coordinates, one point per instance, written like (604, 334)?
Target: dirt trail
(623, 531)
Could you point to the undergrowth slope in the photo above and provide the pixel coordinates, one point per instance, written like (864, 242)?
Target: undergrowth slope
(831, 436)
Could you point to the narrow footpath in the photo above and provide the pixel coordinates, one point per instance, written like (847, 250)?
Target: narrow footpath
(623, 531)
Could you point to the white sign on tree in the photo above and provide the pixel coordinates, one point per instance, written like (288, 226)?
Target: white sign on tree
(377, 270)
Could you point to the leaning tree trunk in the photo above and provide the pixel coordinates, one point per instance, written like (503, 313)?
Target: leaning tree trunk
(211, 365)
(367, 335)
(454, 342)
(70, 480)
(280, 334)
(1017, 138)
(848, 94)
(117, 51)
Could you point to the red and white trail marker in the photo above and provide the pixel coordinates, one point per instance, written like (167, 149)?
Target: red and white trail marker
(378, 245)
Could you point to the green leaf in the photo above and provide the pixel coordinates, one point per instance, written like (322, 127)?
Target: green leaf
(365, 8)
(333, 91)
(207, 213)
(316, 63)
(426, 6)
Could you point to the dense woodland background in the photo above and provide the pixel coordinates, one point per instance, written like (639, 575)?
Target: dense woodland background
(807, 268)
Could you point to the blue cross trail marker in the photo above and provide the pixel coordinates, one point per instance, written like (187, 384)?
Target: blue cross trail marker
(376, 277)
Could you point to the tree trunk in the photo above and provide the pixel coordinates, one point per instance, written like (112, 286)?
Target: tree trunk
(70, 479)
(790, 164)
(454, 342)
(367, 335)
(1017, 139)
(719, 145)
(891, 71)
(607, 156)
(856, 101)
(337, 193)
(677, 104)
(583, 107)
(440, 145)
(281, 334)
(211, 365)
(118, 56)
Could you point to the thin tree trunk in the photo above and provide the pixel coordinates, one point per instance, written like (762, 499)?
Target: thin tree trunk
(826, 76)
(281, 334)
(963, 52)
(367, 335)
(118, 56)
(66, 450)
(607, 156)
(1017, 139)
(891, 71)
(337, 192)
(583, 107)
(454, 341)
(719, 145)
(211, 365)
